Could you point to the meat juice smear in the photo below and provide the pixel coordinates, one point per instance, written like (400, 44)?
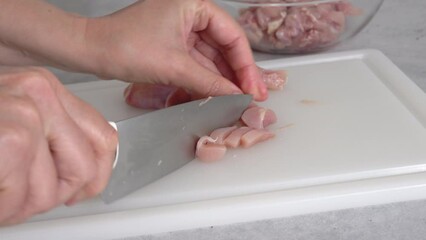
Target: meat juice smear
(295, 29)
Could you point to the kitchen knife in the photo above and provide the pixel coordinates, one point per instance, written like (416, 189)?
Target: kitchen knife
(155, 144)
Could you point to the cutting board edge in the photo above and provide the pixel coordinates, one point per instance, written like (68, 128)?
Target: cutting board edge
(225, 211)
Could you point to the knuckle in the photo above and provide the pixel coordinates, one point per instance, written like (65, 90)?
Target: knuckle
(86, 173)
(35, 81)
(79, 174)
(79, 180)
(26, 110)
(15, 138)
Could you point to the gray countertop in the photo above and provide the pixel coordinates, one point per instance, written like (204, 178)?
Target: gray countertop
(399, 31)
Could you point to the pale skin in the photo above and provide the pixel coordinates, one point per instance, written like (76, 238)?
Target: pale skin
(54, 148)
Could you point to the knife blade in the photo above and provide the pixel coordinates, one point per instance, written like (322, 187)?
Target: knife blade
(155, 144)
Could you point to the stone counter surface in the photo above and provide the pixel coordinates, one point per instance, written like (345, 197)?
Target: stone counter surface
(399, 31)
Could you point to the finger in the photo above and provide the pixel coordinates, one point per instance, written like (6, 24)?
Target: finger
(72, 152)
(178, 96)
(215, 56)
(30, 187)
(73, 155)
(201, 81)
(13, 179)
(223, 33)
(154, 96)
(147, 95)
(102, 140)
(205, 62)
(42, 183)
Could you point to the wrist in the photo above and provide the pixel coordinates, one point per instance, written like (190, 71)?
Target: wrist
(108, 49)
(97, 49)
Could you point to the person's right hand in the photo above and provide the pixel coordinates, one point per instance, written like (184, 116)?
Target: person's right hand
(54, 148)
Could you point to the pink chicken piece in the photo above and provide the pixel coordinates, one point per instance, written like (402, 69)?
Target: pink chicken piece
(221, 133)
(348, 9)
(154, 96)
(258, 117)
(234, 139)
(208, 151)
(296, 28)
(274, 80)
(213, 147)
(147, 96)
(255, 136)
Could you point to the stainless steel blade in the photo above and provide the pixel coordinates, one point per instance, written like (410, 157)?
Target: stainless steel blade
(157, 143)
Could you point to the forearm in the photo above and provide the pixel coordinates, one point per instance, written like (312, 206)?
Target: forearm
(14, 57)
(33, 32)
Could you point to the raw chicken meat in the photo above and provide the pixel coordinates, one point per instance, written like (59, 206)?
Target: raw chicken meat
(154, 96)
(248, 132)
(233, 140)
(147, 96)
(221, 133)
(296, 29)
(207, 150)
(258, 117)
(274, 80)
(255, 136)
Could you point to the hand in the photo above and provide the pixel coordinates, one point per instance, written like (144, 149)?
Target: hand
(54, 148)
(187, 44)
(155, 96)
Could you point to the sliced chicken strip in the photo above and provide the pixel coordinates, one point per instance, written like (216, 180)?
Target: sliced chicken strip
(234, 139)
(258, 117)
(221, 133)
(274, 80)
(208, 151)
(255, 136)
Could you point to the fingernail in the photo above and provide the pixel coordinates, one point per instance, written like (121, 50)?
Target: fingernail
(127, 91)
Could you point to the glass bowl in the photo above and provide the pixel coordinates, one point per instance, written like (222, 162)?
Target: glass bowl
(300, 26)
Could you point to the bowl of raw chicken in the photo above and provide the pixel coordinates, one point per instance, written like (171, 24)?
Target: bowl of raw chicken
(300, 26)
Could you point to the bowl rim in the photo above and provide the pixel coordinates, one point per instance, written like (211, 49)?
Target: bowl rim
(276, 4)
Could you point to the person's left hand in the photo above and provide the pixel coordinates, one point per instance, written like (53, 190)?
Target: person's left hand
(189, 47)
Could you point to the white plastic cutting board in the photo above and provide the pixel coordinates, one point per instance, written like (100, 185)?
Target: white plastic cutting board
(351, 126)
